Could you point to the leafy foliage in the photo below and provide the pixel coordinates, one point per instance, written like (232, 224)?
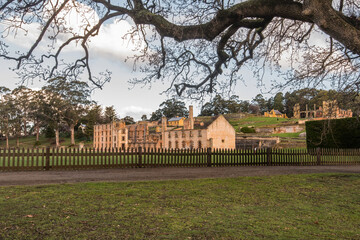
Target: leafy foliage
(219, 105)
(128, 120)
(169, 109)
(110, 114)
(247, 130)
(333, 133)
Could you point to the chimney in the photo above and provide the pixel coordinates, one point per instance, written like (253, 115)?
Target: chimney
(163, 124)
(191, 116)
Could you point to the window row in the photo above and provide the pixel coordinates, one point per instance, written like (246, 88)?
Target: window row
(185, 145)
(183, 134)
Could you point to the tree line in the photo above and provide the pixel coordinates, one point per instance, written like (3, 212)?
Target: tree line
(282, 102)
(59, 108)
(64, 107)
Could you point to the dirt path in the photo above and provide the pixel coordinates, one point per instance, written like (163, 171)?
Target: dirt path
(145, 174)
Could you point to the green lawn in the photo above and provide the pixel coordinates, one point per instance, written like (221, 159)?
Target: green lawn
(29, 142)
(259, 121)
(319, 206)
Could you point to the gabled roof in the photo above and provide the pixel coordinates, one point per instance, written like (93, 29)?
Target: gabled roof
(204, 121)
(175, 119)
(277, 112)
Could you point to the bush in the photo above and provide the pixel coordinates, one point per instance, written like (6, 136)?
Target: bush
(80, 136)
(334, 133)
(37, 143)
(247, 130)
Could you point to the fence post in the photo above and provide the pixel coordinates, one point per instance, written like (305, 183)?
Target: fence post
(268, 156)
(47, 159)
(208, 155)
(139, 153)
(318, 155)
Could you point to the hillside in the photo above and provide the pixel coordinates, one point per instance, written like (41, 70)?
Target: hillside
(287, 140)
(251, 120)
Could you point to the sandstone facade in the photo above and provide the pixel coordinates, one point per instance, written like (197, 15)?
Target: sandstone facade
(201, 132)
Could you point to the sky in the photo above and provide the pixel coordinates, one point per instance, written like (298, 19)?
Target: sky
(109, 51)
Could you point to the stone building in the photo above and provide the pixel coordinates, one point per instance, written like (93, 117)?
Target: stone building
(176, 121)
(330, 109)
(275, 114)
(208, 132)
(111, 135)
(200, 132)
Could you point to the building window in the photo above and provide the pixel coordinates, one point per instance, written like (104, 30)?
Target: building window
(191, 134)
(191, 144)
(222, 140)
(170, 144)
(169, 135)
(183, 144)
(199, 144)
(199, 133)
(123, 138)
(176, 135)
(123, 131)
(183, 134)
(176, 144)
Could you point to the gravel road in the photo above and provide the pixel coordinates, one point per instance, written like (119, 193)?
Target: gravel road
(146, 174)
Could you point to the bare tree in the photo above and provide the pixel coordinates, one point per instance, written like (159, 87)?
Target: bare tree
(189, 43)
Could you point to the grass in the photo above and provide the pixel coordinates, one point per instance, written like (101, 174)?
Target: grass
(260, 121)
(319, 206)
(29, 142)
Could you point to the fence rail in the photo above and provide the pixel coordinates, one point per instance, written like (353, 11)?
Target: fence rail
(15, 159)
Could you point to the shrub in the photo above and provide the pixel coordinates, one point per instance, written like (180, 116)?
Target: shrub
(247, 130)
(37, 143)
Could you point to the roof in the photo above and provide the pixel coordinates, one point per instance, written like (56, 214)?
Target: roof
(277, 112)
(204, 121)
(175, 119)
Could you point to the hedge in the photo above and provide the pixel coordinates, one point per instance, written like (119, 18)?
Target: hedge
(333, 133)
(247, 130)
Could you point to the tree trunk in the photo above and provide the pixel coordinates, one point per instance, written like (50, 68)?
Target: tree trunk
(57, 140)
(37, 131)
(25, 130)
(72, 130)
(7, 140)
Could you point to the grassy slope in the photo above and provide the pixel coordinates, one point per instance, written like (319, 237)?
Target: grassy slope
(259, 121)
(322, 206)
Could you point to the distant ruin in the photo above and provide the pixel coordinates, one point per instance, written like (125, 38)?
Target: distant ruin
(330, 109)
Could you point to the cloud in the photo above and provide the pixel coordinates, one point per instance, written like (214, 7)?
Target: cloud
(134, 111)
(112, 42)
(75, 19)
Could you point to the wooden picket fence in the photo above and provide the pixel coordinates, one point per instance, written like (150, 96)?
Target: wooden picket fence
(16, 159)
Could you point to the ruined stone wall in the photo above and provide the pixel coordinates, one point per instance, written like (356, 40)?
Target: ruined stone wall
(256, 142)
(106, 135)
(186, 139)
(282, 129)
